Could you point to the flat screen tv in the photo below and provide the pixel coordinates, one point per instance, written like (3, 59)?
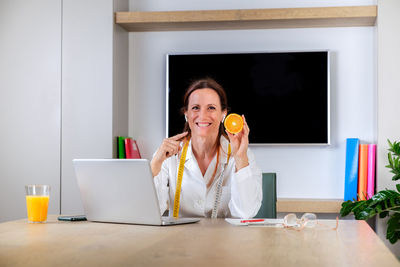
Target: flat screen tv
(284, 95)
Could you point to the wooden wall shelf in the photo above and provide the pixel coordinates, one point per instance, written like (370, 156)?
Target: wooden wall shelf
(309, 205)
(347, 16)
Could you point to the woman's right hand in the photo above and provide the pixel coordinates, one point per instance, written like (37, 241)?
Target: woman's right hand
(169, 147)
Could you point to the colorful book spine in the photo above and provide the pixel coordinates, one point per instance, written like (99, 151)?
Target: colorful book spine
(351, 171)
(371, 170)
(136, 152)
(131, 149)
(128, 148)
(363, 172)
(121, 147)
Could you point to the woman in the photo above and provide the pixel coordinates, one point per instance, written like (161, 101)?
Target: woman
(210, 153)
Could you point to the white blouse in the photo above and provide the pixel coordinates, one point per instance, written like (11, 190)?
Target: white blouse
(241, 191)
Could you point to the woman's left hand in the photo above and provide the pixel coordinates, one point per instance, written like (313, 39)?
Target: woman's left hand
(239, 144)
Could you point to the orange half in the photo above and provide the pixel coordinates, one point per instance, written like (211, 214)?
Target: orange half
(233, 123)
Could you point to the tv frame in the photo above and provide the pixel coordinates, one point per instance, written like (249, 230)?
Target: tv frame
(328, 143)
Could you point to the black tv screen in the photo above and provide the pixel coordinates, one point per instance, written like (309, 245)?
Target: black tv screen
(283, 95)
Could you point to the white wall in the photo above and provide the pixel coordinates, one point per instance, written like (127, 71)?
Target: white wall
(388, 97)
(303, 171)
(30, 77)
(120, 76)
(94, 88)
(87, 69)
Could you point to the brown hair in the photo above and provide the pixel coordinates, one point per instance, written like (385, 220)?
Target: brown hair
(202, 84)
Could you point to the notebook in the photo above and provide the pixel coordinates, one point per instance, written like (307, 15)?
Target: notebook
(120, 191)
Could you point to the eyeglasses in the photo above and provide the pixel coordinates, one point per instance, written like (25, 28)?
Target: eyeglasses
(308, 220)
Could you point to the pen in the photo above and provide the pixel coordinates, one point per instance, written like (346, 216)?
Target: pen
(251, 220)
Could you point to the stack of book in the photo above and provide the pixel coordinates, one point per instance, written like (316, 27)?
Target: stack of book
(360, 170)
(127, 148)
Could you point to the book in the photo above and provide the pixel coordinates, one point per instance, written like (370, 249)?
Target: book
(362, 171)
(121, 147)
(131, 149)
(351, 170)
(371, 170)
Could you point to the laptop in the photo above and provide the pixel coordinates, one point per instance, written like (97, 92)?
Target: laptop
(120, 191)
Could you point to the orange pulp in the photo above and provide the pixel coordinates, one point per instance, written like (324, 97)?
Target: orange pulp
(233, 123)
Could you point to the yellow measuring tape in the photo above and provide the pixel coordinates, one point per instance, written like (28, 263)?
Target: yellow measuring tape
(180, 175)
(179, 180)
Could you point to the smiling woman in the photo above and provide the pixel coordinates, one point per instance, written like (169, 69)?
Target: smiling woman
(204, 112)
(206, 171)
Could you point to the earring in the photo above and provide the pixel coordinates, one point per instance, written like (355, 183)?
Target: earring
(223, 118)
(185, 118)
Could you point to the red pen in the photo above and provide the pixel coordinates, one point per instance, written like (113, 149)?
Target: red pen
(251, 220)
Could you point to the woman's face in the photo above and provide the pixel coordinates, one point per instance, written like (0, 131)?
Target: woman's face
(204, 113)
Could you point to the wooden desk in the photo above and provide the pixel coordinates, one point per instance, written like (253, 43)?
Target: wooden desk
(208, 243)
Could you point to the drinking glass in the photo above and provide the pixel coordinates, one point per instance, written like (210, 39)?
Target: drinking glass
(37, 202)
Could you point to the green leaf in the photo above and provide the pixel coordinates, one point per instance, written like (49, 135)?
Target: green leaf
(395, 148)
(398, 187)
(380, 196)
(378, 208)
(393, 230)
(359, 205)
(392, 202)
(390, 144)
(362, 215)
(390, 160)
(386, 205)
(384, 195)
(347, 207)
(396, 162)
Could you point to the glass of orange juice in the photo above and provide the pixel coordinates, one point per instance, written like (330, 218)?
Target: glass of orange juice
(37, 202)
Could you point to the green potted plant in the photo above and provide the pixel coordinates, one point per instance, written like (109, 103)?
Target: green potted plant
(385, 203)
